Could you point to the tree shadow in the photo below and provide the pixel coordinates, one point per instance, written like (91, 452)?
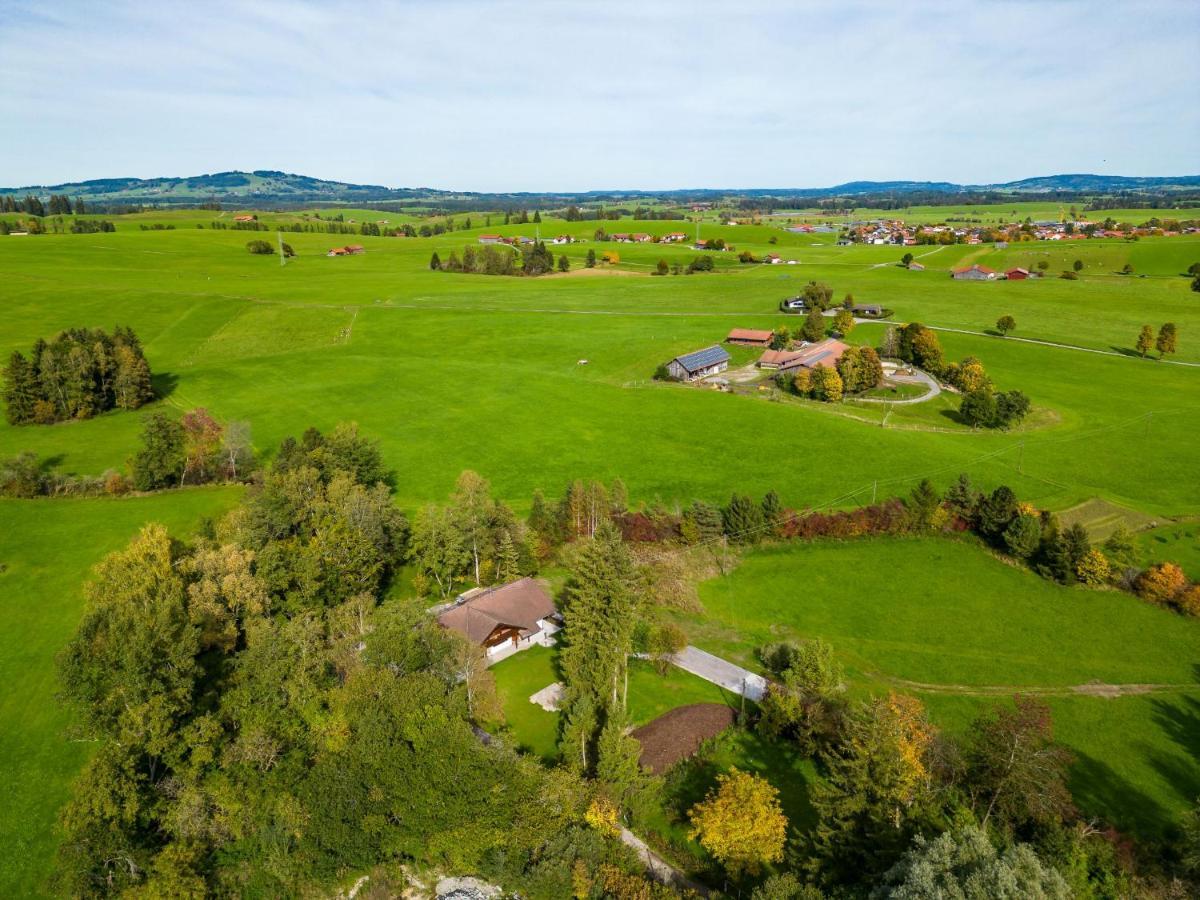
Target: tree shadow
(1128, 351)
(164, 384)
(953, 415)
(1100, 790)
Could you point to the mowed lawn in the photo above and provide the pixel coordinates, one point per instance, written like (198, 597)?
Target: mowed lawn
(650, 695)
(47, 548)
(941, 618)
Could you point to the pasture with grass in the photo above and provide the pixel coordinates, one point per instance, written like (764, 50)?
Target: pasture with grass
(452, 371)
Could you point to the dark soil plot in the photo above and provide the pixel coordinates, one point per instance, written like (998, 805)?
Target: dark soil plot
(679, 733)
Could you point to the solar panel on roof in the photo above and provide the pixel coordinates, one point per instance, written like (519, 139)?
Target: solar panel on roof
(709, 356)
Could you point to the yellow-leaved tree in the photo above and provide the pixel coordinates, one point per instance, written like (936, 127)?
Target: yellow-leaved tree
(740, 822)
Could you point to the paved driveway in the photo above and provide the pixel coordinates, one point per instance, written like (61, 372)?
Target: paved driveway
(721, 672)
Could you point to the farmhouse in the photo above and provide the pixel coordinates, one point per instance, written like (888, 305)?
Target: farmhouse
(700, 364)
(777, 359)
(974, 273)
(749, 337)
(641, 238)
(675, 237)
(244, 218)
(504, 619)
(794, 304)
(774, 259)
(348, 250)
(562, 239)
(490, 238)
(823, 354)
(867, 310)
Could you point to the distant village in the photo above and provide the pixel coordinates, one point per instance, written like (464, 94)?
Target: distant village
(896, 231)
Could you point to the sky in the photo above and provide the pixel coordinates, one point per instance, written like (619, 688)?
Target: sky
(543, 95)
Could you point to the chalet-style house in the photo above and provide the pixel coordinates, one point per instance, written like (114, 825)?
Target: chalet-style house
(749, 337)
(675, 237)
(490, 238)
(700, 364)
(504, 619)
(867, 310)
(348, 250)
(794, 304)
(974, 273)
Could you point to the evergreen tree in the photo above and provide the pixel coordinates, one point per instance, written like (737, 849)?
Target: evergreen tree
(591, 259)
(961, 498)
(772, 508)
(435, 262)
(159, 463)
(20, 389)
(508, 562)
(742, 520)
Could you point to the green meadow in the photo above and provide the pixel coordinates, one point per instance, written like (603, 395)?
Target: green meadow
(946, 620)
(461, 371)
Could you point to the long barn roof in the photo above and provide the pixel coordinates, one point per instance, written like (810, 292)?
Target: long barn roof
(709, 356)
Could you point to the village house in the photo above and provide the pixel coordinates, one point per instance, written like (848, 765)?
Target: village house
(675, 237)
(621, 237)
(974, 273)
(749, 337)
(504, 619)
(641, 238)
(699, 364)
(794, 304)
(348, 250)
(244, 218)
(490, 238)
(562, 239)
(867, 310)
(774, 259)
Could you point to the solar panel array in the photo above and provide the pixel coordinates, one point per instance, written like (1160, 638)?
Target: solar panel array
(709, 356)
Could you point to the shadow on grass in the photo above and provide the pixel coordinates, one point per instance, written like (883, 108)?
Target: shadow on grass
(1129, 351)
(1100, 790)
(164, 384)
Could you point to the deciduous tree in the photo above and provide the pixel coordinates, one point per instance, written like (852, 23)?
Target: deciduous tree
(741, 822)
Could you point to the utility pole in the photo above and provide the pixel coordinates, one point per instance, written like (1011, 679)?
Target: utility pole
(282, 260)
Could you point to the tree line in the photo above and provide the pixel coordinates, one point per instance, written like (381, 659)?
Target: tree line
(532, 259)
(56, 205)
(77, 374)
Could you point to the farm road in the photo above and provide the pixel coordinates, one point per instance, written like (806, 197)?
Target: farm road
(917, 377)
(659, 868)
(721, 672)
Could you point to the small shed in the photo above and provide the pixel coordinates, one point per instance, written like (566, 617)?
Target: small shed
(1017, 274)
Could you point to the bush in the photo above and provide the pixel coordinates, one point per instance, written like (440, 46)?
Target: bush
(1069, 275)
(261, 248)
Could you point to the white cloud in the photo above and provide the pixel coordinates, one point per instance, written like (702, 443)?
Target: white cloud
(552, 95)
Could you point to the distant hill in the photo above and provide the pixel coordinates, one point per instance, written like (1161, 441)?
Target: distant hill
(267, 187)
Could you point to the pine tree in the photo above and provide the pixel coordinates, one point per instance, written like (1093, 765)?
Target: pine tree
(599, 607)
(508, 563)
(617, 757)
(20, 389)
(772, 509)
(742, 520)
(435, 262)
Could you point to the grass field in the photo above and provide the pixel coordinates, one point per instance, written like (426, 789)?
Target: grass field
(46, 550)
(456, 371)
(946, 620)
(1177, 543)
(650, 695)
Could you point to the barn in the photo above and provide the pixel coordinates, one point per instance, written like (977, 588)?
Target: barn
(749, 337)
(700, 364)
(974, 273)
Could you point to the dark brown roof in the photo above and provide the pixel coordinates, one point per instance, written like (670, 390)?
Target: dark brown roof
(750, 334)
(518, 605)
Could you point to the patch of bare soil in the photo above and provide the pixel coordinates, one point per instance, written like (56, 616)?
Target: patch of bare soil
(678, 734)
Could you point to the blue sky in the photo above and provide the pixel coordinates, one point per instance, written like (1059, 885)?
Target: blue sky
(573, 96)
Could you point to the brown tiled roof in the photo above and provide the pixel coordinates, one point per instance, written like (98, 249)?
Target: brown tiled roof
(519, 604)
(823, 353)
(779, 357)
(749, 334)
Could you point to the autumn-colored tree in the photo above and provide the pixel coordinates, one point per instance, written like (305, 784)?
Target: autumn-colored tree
(1188, 600)
(740, 822)
(827, 384)
(1167, 339)
(843, 322)
(1145, 340)
(814, 326)
(202, 436)
(1016, 773)
(1161, 583)
(1093, 568)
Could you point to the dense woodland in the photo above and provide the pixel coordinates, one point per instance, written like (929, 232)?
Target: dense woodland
(77, 374)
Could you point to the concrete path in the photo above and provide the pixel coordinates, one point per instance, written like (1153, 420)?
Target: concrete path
(721, 672)
(917, 377)
(549, 697)
(660, 870)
